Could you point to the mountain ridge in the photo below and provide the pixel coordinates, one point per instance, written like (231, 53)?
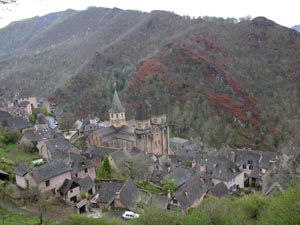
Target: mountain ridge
(216, 77)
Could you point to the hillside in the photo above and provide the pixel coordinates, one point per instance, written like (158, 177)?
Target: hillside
(235, 83)
(296, 27)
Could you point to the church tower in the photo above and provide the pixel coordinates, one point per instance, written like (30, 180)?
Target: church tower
(117, 112)
(160, 130)
(143, 135)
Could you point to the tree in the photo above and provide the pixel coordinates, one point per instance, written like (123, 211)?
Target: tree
(7, 136)
(105, 168)
(42, 207)
(135, 169)
(154, 215)
(168, 186)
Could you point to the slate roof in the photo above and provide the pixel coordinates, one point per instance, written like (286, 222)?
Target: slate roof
(39, 135)
(50, 170)
(51, 122)
(180, 175)
(22, 169)
(225, 170)
(243, 156)
(193, 189)
(108, 191)
(220, 190)
(4, 115)
(58, 143)
(85, 183)
(67, 185)
(81, 163)
(90, 127)
(116, 104)
(99, 152)
(142, 113)
(23, 103)
(129, 194)
(157, 176)
(254, 172)
(16, 123)
(264, 163)
(111, 133)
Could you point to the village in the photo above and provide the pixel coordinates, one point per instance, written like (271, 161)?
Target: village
(152, 167)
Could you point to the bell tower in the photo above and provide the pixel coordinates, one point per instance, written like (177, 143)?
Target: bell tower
(117, 112)
(142, 131)
(160, 130)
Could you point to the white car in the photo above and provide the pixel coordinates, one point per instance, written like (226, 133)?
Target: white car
(130, 215)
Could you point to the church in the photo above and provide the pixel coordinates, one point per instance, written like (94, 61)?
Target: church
(149, 133)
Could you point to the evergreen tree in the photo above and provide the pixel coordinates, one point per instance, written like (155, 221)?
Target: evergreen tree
(105, 168)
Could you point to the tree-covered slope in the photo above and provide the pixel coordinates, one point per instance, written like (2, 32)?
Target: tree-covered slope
(228, 82)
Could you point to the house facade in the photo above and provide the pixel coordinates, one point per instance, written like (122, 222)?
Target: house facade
(47, 178)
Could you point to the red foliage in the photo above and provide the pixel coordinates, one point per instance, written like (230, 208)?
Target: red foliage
(237, 109)
(209, 44)
(151, 67)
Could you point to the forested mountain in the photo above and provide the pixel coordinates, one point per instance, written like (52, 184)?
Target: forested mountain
(228, 82)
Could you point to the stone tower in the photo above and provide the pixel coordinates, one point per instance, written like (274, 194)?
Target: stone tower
(117, 112)
(160, 130)
(143, 132)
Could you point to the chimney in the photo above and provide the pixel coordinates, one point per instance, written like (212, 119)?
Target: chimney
(232, 156)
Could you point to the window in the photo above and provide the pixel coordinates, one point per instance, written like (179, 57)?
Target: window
(244, 166)
(85, 170)
(250, 167)
(47, 183)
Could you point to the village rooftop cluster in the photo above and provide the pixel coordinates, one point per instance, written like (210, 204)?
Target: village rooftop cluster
(65, 171)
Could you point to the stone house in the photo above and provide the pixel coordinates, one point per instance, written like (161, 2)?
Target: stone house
(31, 100)
(69, 191)
(192, 193)
(118, 195)
(83, 168)
(86, 184)
(48, 148)
(47, 178)
(180, 175)
(26, 106)
(254, 164)
(222, 169)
